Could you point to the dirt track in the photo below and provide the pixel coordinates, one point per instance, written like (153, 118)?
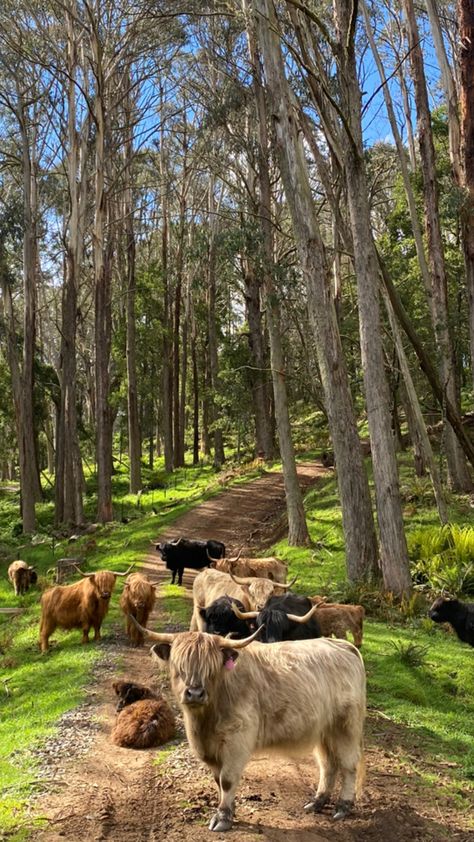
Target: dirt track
(109, 793)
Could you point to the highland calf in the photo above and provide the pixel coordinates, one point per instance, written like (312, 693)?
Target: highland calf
(149, 722)
(21, 576)
(129, 692)
(336, 619)
(82, 605)
(292, 698)
(459, 614)
(137, 600)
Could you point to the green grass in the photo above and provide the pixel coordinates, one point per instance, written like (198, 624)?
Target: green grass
(36, 690)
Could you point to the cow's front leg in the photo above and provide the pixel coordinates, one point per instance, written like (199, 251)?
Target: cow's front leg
(227, 780)
(97, 633)
(85, 634)
(180, 577)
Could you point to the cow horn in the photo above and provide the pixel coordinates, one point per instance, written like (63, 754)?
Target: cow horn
(175, 543)
(242, 580)
(82, 572)
(126, 572)
(287, 585)
(243, 615)
(239, 644)
(305, 617)
(161, 636)
(235, 559)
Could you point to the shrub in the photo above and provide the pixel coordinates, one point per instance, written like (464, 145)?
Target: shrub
(443, 558)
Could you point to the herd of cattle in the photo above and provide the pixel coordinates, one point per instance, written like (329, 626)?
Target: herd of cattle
(295, 689)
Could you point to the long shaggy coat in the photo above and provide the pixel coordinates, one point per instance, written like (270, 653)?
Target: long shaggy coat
(149, 722)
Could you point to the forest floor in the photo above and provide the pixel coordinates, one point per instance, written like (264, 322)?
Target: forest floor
(93, 791)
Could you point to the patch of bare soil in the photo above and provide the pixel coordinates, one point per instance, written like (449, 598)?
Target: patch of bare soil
(97, 791)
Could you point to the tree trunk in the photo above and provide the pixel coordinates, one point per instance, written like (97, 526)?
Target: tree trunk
(438, 300)
(167, 383)
(102, 249)
(465, 14)
(261, 402)
(219, 457)
(134, 439)
(415, 409)
(195, 395)
(393, 548)
(69, 471)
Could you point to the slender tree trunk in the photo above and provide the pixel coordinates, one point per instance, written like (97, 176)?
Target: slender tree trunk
(134, 438)
(69, 471)
(178, 433)
(167, 383)
(465, 14)
(195, 395)
(219, 457)
(102, 249)
(393, 548)
(184, 372)
(415, 409)
(438, 300)
(261, 403)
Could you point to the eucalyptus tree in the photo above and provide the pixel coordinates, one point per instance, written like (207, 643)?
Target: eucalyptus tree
(23, 96)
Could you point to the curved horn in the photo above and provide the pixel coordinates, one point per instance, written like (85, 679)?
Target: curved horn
(285, 586)
(243, 615)
(235, 559)
(162, 637)
(175, 543)
(244, 580)
(238, 644)
(305, 617)
(82, 572)
(126, 572)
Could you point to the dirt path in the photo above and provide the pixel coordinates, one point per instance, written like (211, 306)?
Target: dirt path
(99, 792)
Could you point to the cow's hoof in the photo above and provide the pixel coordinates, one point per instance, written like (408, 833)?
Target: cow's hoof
(343, 809)
(222, 820)
(317, 804)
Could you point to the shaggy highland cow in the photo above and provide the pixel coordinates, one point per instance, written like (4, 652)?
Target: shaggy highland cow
(21, 576)
(138, 598)
(82, 605)
(144, 723)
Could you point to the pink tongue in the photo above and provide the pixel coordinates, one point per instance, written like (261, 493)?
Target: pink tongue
(229, 664)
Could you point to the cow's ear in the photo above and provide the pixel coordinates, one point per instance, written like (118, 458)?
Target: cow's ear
(161, 651)
(229, 656)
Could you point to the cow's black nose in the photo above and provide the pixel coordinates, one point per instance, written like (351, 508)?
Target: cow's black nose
(194, 694)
